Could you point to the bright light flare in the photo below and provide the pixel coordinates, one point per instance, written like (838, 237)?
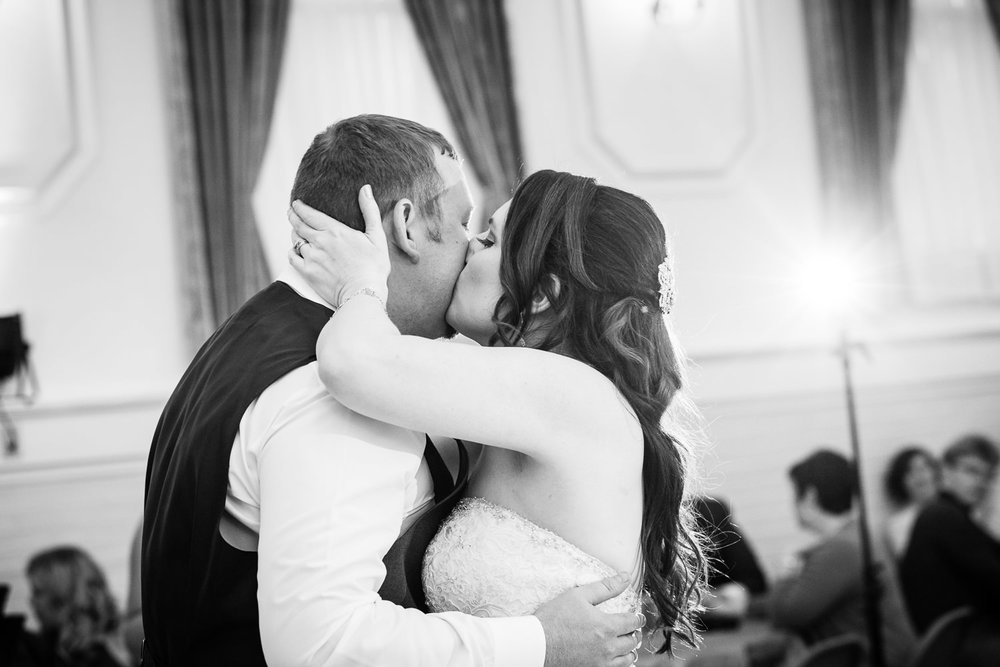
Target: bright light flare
(831, 283)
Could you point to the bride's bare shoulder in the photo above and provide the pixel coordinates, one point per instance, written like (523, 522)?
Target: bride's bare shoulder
(602, 411)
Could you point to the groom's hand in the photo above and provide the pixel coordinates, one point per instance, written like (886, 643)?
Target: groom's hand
(577, 634)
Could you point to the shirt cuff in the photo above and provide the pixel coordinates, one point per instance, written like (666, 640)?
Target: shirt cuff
(518, 642)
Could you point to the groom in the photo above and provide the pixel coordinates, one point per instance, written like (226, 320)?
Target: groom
(270, 507)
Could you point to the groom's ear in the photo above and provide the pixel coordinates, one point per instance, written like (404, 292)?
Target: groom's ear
(403, 215)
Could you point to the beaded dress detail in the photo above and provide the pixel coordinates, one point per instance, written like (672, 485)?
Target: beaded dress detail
(487, 560)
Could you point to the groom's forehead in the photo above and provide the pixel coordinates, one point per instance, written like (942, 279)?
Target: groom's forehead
(454, 194)
(450, 173)
(457, 197)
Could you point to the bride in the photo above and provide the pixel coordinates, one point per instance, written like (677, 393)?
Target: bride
(566, 293)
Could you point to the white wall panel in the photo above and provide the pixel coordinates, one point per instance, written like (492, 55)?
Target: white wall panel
(95, 276)
(664, 100)
(94, 273)
(47, 125)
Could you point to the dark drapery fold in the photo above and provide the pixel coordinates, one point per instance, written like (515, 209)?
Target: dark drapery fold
(468, 51)
(857, 62)
(993, 9)
(225, 62)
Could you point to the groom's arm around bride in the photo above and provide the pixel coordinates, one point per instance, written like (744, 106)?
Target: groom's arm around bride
(322, 539)
(269, 506)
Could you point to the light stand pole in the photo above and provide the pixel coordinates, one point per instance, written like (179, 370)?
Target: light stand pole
(872, 588)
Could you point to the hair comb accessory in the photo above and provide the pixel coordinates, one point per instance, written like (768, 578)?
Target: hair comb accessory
(665, 275)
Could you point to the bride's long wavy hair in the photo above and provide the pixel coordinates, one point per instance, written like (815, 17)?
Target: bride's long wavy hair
(604, 246)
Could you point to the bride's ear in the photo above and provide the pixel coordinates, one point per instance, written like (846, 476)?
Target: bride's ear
(403, 215)
(540, 302)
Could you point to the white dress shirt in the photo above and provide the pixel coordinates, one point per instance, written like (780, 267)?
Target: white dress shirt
(899, 527)
(339, 489)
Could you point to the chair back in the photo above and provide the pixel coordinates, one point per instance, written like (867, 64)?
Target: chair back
(943, 640)
(844, 651)
(11, 629)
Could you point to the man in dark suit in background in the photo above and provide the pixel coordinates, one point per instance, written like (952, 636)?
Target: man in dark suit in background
(951, 561)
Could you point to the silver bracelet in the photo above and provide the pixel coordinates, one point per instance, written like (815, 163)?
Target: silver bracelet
(368, 291)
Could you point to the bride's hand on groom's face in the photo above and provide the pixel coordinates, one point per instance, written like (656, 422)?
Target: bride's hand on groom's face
(336, 260)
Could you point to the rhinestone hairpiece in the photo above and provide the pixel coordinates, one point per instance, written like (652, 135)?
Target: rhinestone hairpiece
(665, 275)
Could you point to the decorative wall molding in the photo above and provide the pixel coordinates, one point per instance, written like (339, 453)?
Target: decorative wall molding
(50, 409)
(82, 435)
(869, 397)
(59, 94)
(958, 337)
(66, 470)
(630, 118)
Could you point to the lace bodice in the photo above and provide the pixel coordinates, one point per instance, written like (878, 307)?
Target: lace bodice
(487, 560)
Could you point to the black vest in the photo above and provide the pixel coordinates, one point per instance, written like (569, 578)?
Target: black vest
(199, 595)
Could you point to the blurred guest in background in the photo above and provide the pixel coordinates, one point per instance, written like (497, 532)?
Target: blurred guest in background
(132, 617)
(77, 617)
(951, 561)
(735, 574)
(911, 481)
(823, 596)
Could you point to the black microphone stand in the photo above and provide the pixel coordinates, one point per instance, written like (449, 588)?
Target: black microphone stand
(872, 588)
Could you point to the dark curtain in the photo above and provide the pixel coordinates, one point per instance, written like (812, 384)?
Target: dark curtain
(993, 9)
(226, 58)
(857, 61)
(468, 51)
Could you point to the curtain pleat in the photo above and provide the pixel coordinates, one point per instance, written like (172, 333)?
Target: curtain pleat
(225, 58)
(857, 61)
(993, 10)
(467, 47)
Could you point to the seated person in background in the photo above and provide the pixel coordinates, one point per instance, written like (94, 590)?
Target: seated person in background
(77, 616)
(825, 597)
(911, 481)
(11, 630)
(734, 573)
(951, 561)
(132, 616)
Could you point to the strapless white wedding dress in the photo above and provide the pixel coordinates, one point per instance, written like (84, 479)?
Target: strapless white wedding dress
(487, 560)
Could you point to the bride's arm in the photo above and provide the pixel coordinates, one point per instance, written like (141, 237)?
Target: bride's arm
(539, 403)
(517, 398)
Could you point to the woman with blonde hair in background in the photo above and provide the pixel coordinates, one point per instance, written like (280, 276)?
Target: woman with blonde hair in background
(77, 615)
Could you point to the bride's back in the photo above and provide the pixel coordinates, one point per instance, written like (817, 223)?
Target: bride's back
(537, 524)
(591, 495)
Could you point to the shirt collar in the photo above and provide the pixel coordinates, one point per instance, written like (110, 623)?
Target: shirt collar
(297, 282)
(948, 497)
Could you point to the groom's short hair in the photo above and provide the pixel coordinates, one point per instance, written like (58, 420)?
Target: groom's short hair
(394, 155)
